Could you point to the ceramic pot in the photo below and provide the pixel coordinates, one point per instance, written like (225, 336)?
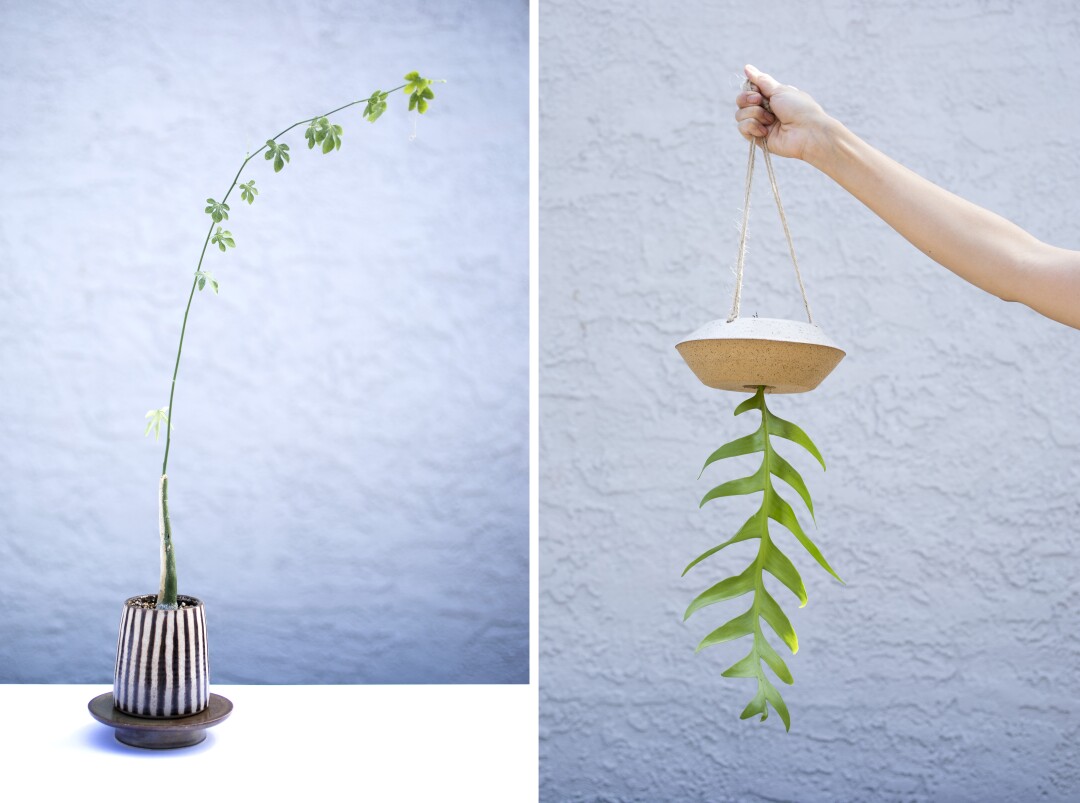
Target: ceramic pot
(739, 355)
(162, 669)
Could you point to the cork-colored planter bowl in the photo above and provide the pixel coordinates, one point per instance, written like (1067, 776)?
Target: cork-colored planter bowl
(739, 355)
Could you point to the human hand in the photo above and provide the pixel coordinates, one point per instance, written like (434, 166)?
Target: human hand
(793, 125)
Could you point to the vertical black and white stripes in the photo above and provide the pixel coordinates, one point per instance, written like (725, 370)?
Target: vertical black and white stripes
(162, 669)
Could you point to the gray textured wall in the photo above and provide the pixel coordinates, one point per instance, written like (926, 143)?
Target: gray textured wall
(349, 473)
(948, 668)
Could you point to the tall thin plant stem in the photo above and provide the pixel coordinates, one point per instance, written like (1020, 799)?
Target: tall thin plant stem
(167, 590)
(202, 255)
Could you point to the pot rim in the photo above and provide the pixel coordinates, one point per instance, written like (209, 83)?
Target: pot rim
(192, 602)
(775, 330)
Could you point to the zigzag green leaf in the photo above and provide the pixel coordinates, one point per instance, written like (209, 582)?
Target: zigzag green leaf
(725, 589)
(747, 667)
(769, 558)
(744, 485)
(778, 565)
(773, 659)
(784, 470)
(755, 402)
(777, 702)
(781, 511)
(746, 532)
(738, 627)
(785, 429)
(778, 621)
(757, 705)
(746, 445)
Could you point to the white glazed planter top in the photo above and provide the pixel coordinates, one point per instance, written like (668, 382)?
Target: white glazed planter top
(784, 356)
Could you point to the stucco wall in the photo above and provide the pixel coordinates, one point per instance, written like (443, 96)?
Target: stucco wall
(349, 472)
(948, 668)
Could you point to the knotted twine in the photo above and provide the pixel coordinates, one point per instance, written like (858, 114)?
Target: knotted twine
(754, 143)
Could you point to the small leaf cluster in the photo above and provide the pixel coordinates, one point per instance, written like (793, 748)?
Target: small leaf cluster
(376, 105)
(156, 419)
(769, 557)
(222, 239)
(321, 131)
(203, 277)
(419, 91)
(218, 211)
(278, 152)
(248, 192)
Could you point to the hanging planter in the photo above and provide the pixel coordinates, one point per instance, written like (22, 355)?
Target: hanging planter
(747, 353)
(762, 355)
(161, 694)
(740, 354)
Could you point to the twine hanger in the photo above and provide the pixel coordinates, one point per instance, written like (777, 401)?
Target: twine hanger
(754, 142)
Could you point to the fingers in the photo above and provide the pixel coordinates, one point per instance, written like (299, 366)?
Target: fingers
(744, 99)
(755, 113)
(753, 120)
(765, 83)
(752, 129)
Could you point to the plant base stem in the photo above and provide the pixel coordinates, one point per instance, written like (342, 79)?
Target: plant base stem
(166, 598)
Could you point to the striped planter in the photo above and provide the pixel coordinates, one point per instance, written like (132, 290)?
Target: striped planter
(162, 669)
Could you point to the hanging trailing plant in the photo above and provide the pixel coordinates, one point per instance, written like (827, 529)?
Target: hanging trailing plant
(320, 132)
(769, 558)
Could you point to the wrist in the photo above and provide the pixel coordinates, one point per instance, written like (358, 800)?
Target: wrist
(824, 144)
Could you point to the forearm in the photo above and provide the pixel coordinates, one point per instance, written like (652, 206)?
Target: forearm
(977, 245)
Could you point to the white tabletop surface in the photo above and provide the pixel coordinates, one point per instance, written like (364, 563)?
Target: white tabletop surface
(296, 743)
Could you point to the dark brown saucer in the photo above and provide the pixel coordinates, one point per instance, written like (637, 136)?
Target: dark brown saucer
(160, 734)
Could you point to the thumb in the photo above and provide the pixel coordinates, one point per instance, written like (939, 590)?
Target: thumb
(765, 83)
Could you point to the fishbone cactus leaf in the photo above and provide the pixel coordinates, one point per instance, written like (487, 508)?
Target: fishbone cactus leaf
(769, 557)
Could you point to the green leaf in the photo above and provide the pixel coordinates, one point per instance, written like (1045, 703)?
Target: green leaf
(737, 628)
(769, 558)
(785, 429)
(725, 589)
(222, 239)
(218, 211)
(376, 105)
(784, 470)
(419, 91)
(740, 446)
(747, 667)
(331, 139)
(751, 529)
(779, 566)
(203, 277)
(777, 702)
(755, 402)
(744, 485)
(156, 419)
(757, 705)
(772, 658)
(770, 611)
(248, 192)
(780, 511)
(279, 152)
